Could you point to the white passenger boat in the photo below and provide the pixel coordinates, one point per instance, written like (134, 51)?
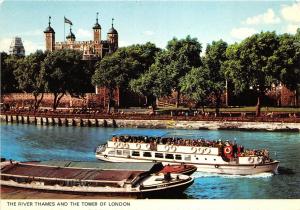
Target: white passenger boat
(222, 157)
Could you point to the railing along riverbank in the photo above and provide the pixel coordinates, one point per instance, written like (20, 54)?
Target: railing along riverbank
(266, 123)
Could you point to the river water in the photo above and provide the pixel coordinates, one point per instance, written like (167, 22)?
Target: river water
(30, 142)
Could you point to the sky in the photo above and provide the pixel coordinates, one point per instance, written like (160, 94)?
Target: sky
(141, 21)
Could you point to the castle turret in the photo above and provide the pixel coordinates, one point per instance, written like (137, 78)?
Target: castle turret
(71, 37)
(112, 38)
(97, 31)
(49, 37)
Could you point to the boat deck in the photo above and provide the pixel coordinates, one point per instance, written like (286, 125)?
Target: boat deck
(68, 173)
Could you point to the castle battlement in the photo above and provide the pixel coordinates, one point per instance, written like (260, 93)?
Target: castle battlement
(96, 47)
(75, 42)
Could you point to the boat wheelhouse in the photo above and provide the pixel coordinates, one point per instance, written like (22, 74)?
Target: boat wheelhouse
(208, 156)
(125, 180)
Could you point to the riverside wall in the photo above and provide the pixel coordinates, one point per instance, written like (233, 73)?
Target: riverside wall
(156, 124)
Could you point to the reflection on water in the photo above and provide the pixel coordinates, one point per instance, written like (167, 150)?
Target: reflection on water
(285, 171)
(29, 142)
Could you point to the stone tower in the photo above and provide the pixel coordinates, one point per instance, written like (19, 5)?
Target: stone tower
(49, 37)
(97, 31)
(16, 47)
(112, 38)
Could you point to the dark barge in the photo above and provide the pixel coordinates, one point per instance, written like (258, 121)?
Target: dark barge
(125, 180)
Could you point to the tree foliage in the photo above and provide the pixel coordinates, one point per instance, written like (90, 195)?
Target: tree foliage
(30, 78)
(8, 81)
(215, 56)
(197, 85)
(251, 64)
(64, 72)
(176, 61)
(127, 63)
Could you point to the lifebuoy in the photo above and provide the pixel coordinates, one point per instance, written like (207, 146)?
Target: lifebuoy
(194, 149)
(173, 148)
(227, 150)
(120, 145)
(116, 143)
(167, 147)
(251, 159)
(138, 146)
(147, 146)
(259, 160)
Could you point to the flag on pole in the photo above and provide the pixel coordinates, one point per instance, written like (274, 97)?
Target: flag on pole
(68, 21)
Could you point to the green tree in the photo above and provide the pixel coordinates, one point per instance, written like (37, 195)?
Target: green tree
(64, 72)
(197, 85)
(152, 84)
(127, 63)
(8, 64)
(250, 64)
(112, 73)
(286, 61)
(30, 78)
(214, 59)
(177, 60)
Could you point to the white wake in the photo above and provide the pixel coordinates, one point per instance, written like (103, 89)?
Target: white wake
(203, 174)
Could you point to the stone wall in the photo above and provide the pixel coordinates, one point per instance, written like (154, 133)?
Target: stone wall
(16, 100)
(162, 124)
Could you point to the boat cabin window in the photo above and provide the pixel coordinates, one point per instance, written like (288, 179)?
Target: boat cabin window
(147, 154)
(187, 158)
(135, 153)
(111, 152)
(178, 157)
(159, 155)
(126, 152)
(119, 152)
(169, 156)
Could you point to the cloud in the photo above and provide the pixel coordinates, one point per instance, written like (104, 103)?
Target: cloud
(292, 28)
(84, 34)
(242, 33)
(31, 47)
(4, 44)
(123, 43)
(148, 33)
(268, 17)
(291, 13)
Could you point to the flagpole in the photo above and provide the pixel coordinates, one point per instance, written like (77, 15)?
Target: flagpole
(64, 29)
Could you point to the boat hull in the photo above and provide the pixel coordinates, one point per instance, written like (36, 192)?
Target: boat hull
(174, 189)
(234, 169)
